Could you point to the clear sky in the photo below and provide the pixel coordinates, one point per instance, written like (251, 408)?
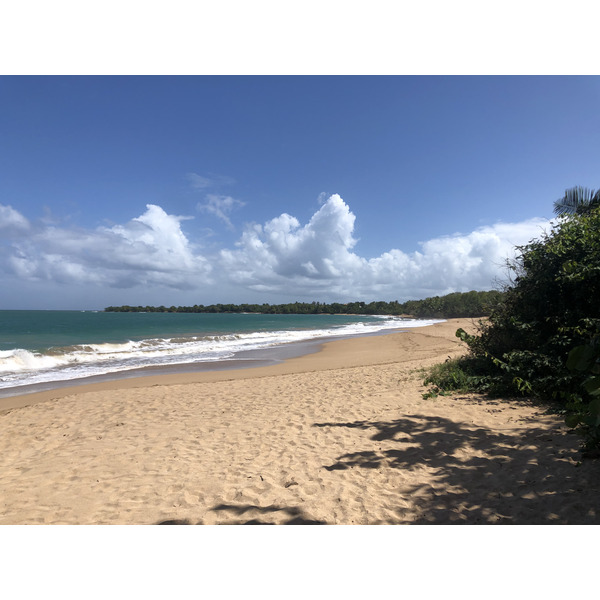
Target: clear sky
(200, 189)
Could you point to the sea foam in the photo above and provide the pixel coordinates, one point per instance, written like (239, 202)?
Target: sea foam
(23, 367)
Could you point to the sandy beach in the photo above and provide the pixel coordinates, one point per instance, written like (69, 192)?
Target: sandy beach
(341, 436)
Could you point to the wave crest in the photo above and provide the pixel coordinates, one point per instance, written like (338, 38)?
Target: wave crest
(22, 367)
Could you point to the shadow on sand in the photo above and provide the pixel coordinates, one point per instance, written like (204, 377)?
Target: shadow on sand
(477, 475)
(293, 515)
(480, 475)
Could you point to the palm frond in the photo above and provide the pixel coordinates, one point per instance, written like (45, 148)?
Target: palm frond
(577, 200)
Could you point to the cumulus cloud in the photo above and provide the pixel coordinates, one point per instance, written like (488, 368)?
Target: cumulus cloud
(317, 258)
(280, 259)
(282, 252)
(149, 250)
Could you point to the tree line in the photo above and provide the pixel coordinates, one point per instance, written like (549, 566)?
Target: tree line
(455, 305)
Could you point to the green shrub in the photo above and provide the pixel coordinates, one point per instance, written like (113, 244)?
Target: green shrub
(552, 308)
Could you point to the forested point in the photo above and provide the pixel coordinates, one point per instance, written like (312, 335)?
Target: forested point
(455, 305)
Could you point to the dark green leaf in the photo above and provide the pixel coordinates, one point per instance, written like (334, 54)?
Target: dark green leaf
(572, 420)
(580, 358)
(592, 386)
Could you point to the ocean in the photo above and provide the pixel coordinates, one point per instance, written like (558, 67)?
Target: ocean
(47, 349)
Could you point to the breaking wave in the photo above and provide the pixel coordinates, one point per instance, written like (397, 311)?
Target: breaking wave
(23, 367)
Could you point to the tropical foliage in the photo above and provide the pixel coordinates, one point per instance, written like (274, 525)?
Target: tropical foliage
(542, 340)
(578, 200)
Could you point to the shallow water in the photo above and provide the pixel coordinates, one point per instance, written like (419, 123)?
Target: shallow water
(38, 347)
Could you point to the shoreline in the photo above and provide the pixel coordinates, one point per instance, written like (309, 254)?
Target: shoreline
(340, 436)
(264, 354)
(241, 360)
(245, 364)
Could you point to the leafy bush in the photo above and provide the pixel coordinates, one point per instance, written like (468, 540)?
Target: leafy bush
(531, 345)
(455, 375)
(584, 415)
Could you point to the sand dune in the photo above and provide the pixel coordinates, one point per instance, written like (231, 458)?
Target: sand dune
(343, 436)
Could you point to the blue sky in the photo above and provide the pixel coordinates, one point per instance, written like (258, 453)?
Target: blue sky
(201, 189)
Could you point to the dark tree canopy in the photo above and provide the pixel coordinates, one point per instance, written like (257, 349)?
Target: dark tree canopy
(467, 304)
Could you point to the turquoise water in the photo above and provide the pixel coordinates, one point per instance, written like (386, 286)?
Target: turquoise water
(42, 329)
(53, 346)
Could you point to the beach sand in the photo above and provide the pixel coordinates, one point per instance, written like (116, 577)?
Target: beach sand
(342, 436)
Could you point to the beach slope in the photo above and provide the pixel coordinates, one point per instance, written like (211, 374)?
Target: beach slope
(341, 436)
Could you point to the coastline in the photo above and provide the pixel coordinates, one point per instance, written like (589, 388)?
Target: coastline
(339, 436)
(283, 359)
(248, 359)
(131, 347)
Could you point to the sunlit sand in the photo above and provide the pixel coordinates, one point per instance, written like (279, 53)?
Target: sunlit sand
(343, 436)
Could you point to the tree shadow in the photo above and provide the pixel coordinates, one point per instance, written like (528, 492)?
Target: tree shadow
(479, 475)
(293, 515)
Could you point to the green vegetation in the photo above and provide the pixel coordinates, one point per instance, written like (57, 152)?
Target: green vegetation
(454, 306)
(543, 339)
(468, 304)
(577, 200)
(455, 375)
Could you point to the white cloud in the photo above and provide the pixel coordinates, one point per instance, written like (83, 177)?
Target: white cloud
(149, 250)
(154, 241)
(221, 207)
(317, 260)
(282, 253)
(280, 260)
(218, 205)
(12, 221)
